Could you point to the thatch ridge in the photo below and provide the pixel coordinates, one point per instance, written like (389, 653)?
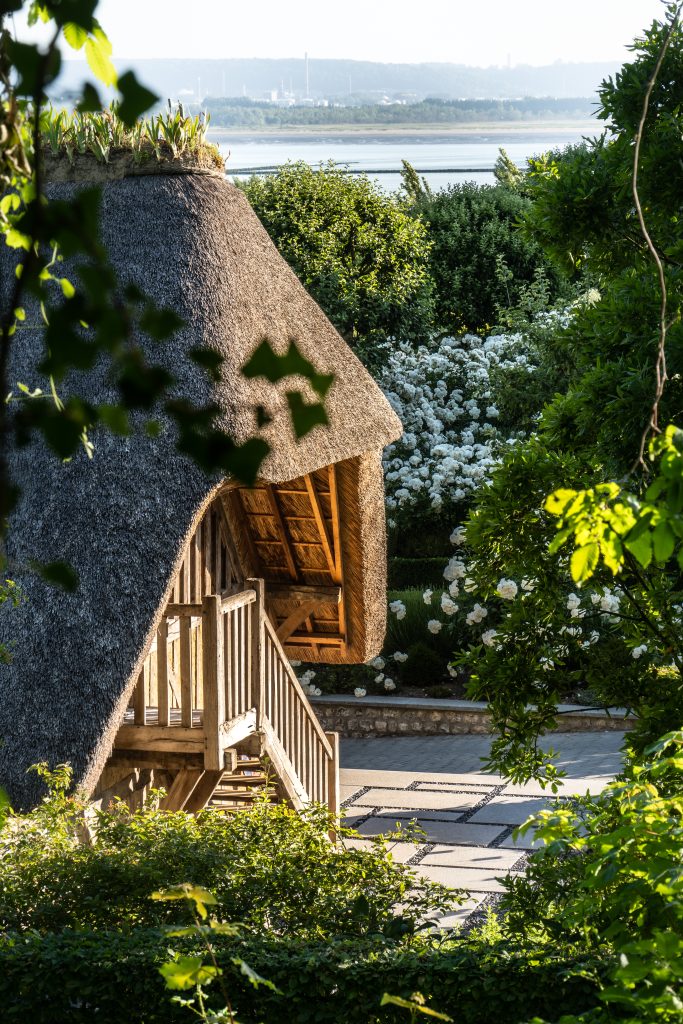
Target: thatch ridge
(122, 520)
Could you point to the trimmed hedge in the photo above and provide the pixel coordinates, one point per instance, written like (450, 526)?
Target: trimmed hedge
(112, 978)
(405, 573)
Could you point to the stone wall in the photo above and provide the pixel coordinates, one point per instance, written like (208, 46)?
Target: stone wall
(411, 716)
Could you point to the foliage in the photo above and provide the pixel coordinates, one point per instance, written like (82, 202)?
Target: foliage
(479, 261)
(357, 250)
(70, 976)
(619, 638)
(406, 573)
(235, 111)
(99, 133)
(269, 868)
(610, 871)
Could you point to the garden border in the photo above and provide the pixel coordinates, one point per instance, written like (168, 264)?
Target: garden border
(424, 716)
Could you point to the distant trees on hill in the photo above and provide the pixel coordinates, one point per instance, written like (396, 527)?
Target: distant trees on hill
(237, 112)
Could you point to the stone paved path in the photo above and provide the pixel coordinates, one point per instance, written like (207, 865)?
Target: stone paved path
(468, 817)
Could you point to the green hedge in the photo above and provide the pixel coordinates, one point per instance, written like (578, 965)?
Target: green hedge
(416, 572)
(112, 978)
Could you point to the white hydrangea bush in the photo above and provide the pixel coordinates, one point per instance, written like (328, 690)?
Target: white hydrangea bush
(442, 394)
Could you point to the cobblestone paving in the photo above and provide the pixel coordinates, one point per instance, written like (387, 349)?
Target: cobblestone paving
(468, 817)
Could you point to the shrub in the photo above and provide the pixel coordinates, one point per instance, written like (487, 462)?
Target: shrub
(407, 573)
(359, 252)
(424, 666)
(480, 262)
(270, 868)
(75, 978)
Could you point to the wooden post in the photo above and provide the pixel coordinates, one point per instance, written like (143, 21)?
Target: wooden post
(162, 671)
(333, 778)
(213, 678)
(258, 650)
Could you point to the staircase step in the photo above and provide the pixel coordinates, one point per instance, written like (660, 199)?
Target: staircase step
(237, 779)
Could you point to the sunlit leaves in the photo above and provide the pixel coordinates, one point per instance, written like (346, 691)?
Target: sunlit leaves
(414, 1006)
(606, 521)
(187, 972)
(98, 51)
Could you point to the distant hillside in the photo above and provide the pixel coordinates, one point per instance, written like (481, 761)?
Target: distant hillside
(239, 113)
(359, 79)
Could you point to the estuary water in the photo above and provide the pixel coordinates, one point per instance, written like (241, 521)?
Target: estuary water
(442, 157)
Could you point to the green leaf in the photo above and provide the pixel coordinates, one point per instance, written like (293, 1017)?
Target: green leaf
(265, 362)
(98, 56)
(305, 415)
(414, 1007)
(61, 574)
(187, 972)
(251, 975)
(135, 98)
(664, 541)
(67, 288)
(75, 35)
(640, 547)
(90, 101)
(209, 360)
(201, 898)
(583, 562)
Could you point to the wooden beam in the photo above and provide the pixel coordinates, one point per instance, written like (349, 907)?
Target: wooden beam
(304, 592)
(237, 730)
(235, 506)
(181, 789)
(336, 534)
(176, 610)
(310, 639)
(295, 618)
(171, 760)
(321, 524)
(203, 791)
(284, 533)
(159, 737)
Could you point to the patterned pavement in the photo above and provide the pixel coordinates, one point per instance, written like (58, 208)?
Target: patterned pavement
(468, 817)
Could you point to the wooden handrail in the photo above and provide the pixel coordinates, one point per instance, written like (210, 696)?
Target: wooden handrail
(240, 600)
(296, 686)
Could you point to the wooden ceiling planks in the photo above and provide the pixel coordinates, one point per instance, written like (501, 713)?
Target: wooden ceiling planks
(294, 530)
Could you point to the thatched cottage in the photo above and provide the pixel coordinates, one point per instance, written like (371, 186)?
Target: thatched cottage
(172, 655)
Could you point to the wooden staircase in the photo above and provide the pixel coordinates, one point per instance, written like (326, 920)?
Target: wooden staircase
(220, 715)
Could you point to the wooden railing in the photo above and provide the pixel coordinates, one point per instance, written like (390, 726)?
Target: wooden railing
(218, 671)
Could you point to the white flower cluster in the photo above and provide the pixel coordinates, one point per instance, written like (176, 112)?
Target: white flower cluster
(441, 393)
(398, 608)
(507, 589)
(306, 681)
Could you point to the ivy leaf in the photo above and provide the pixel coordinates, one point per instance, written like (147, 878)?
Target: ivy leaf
(305, 415)
(265, 362)
(135, 98)
(61, 574)
(90, 101)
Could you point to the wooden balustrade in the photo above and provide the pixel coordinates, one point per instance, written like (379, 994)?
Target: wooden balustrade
(217, 670)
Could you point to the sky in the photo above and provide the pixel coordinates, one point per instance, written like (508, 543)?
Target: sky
(484, 33)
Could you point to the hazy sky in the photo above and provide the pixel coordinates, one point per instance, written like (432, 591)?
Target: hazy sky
(459, 31)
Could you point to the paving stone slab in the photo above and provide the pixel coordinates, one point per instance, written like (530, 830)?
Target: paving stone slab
(509, 810)
(470, 879)
(413, 799)
(460, 833)
(485, 858)
(402, 777)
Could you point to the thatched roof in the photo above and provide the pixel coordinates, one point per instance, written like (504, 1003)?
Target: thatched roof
(122, 519)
